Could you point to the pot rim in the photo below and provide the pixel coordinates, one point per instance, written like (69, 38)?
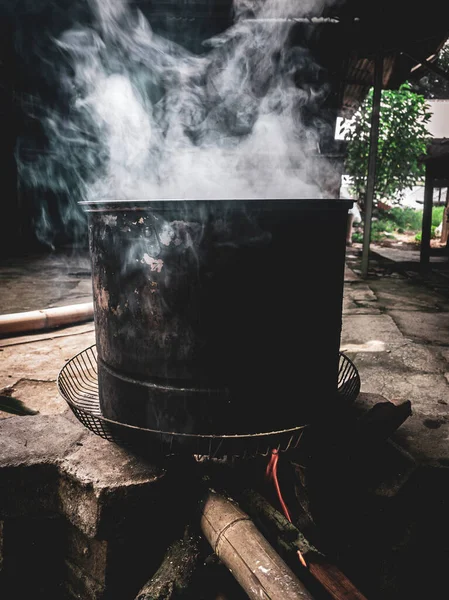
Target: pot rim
(258, 203)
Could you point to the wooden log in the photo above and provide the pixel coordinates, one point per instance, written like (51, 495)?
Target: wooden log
(445, 227)
(242, 548)
(381, 421)
(45, 319)
(332, 579)
(172, 579)
(286, 534)
(289, 539)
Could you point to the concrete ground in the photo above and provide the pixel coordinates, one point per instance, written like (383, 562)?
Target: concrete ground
(30, 363)
(395, 329)
(44, 281)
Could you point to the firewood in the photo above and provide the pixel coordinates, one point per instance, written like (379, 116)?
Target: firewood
(172, 579)
(382, 420)
(288, 539)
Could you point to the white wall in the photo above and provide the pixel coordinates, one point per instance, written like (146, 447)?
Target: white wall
(438, 125)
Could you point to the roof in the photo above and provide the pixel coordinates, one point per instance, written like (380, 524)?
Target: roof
(345, 37)
(405, 37)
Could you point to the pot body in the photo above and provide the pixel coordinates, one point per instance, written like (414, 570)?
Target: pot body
(217, 316)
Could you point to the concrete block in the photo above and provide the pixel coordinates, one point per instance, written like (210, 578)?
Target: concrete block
(103, 486)
(37, 440)
(88, 554)
(30, 448)
(50, 463)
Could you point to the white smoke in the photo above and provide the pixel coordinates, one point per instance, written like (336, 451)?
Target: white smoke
(149, 119)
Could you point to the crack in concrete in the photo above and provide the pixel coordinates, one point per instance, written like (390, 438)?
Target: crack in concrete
(24, 379)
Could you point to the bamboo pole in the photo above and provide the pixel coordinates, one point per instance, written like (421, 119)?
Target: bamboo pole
(45, 319)
(242, 548)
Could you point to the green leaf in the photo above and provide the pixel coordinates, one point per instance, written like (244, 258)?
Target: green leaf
(403, 139)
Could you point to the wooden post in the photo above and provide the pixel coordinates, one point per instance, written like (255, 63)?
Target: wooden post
(426, 220)
(371, 179)
(444, 232)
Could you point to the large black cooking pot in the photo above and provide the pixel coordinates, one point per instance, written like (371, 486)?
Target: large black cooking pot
(217, 316)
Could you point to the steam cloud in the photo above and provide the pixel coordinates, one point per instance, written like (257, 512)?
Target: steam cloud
(149, 119)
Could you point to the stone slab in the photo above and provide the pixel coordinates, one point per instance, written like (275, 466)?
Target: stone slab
(56, 461)
(359, 299)
(41, 360)
(361, 329)
(428, 393)
(406, 295)
(427, 439)
(44, 281)
(100, 481)
(399, 255)
(426, 327)
(40, 439)
(350, 276)
(105, 465)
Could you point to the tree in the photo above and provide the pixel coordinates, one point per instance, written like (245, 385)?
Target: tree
(403, 140)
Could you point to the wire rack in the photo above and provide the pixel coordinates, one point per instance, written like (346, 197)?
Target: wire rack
(78, 385)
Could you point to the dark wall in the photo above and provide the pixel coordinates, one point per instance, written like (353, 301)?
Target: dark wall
(36, 213)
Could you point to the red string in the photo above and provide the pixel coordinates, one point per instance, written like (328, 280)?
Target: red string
(271, 473)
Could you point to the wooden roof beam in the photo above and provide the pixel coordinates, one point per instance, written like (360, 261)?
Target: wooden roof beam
(427, 65)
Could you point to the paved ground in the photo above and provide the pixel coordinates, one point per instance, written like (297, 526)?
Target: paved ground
(44, 281)
(395, 328)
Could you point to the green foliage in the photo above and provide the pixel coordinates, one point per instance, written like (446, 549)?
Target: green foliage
(383, 226)
(437, 215)
(418, 236)
(403, 140)
(399, 220)
(382, 229)
(407, 219)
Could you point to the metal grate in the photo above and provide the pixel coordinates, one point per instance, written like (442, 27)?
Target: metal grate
(78, 385)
